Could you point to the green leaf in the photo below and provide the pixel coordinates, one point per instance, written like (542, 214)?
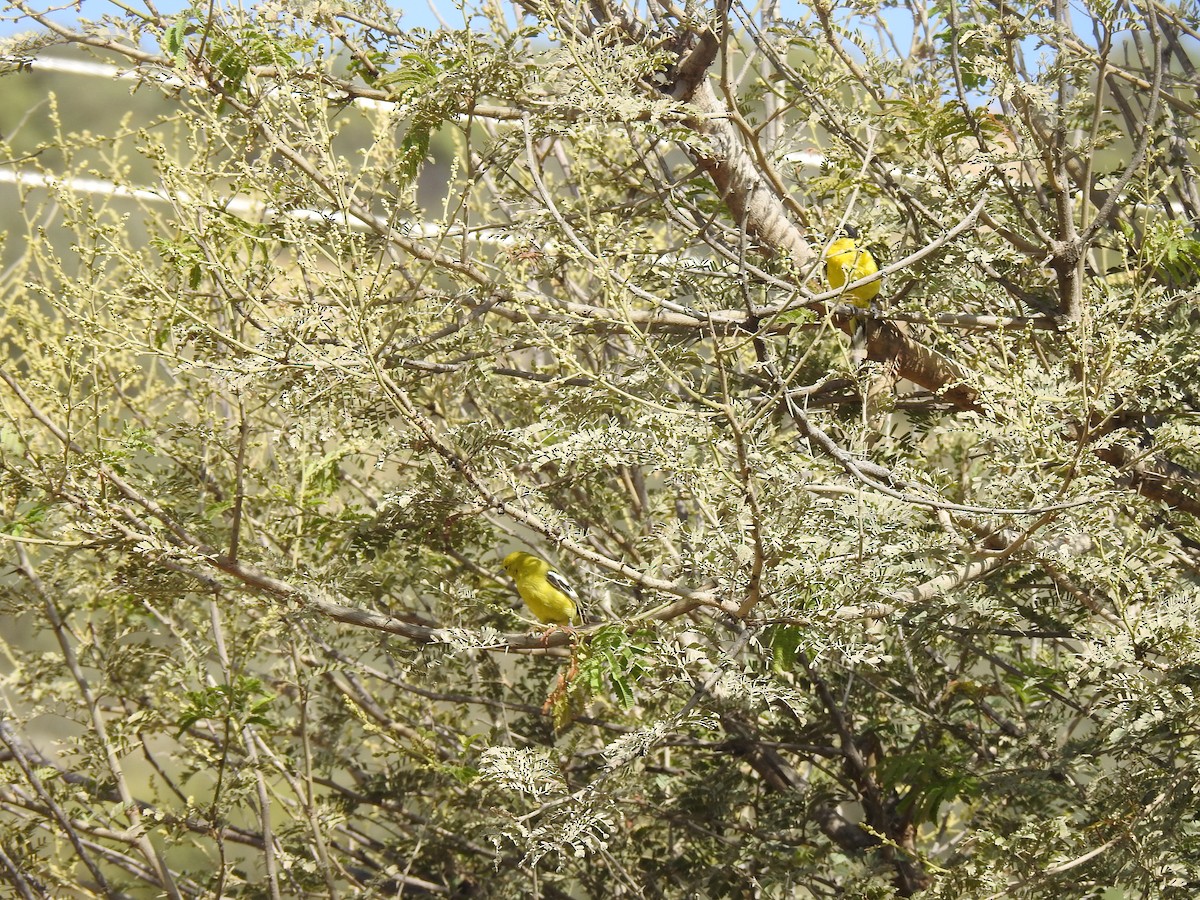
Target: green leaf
(243, 701)
(413, 150)
(175, 37)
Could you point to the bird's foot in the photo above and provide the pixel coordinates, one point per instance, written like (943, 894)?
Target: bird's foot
(549, 630)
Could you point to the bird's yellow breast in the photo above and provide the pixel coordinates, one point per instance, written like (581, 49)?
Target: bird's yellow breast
(845, 263)
(548, 604)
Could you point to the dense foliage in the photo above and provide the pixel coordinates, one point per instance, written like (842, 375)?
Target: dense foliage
(888, 601)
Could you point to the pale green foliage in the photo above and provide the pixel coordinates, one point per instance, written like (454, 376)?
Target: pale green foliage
(408, 301)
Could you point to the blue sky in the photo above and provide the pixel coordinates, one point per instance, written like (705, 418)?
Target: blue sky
(414, 13)
(411, 13)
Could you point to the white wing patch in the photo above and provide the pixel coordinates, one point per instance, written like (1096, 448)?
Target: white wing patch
(562, 584)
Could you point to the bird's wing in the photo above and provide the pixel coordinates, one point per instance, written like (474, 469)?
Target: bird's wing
(561, 583)
(582, 616)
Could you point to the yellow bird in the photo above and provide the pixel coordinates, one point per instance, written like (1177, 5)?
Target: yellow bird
(846, 262)
(547, 594)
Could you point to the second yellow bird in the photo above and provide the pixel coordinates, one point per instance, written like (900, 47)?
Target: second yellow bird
(846, 263)
(548, 595)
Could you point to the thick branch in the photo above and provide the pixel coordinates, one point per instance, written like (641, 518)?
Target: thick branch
(1156, 478)
(751, 201)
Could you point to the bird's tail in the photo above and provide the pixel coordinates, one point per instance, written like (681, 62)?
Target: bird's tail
(858, 341)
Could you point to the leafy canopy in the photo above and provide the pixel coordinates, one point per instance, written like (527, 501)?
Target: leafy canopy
(888, 601)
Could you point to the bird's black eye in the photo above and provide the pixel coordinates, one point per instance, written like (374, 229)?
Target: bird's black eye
(851, 232)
